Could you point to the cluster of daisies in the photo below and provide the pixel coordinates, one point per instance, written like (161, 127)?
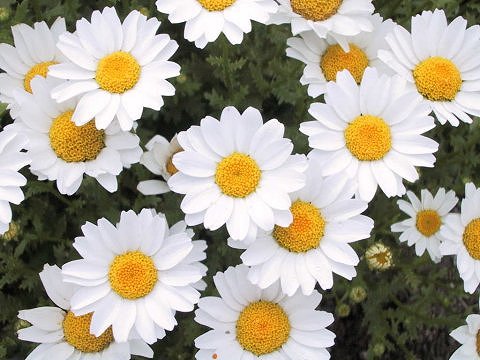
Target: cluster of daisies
(76, 97)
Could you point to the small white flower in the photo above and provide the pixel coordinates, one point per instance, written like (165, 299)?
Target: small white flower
(469, 336)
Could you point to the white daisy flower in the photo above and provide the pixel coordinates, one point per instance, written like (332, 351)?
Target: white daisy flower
(371, 132)
(325, 220)
(250, 323)
(442, 61)
(338, 19)
(136, 275)
(205, 20)
(461, 237)
(237, 171)
(64, 336)
(379, 257)
(12, 159)
(64, 152)
(426, 217)
(469, 336)
(117, 68)
(158, 159)
(34, 52)
(324, 57)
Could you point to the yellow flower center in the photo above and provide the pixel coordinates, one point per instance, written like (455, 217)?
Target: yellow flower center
(237, 175)
(262, 327)
(316, 10)
(335, 59)
(216, 5)
(76, 330)
(38, 69)
(74, 143)
(471, 238)
(306, 230)
(428, 222)
(133, 275)
(437, 79)
(171, 169)
(368, 138)
(118, 72)
(478, 342)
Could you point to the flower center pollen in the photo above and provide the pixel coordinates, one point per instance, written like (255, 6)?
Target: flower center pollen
(368, 138)
(478, 342)
(471, 238)
(262, 327)
(169, 166)
(118, 72)
(437, 79)
(132, 275)
(216, 5)
(237, 175)
(76, 330)
(306, 230)
(38, 69)
(74, 143)
(316, 10)
(428, 222)
(335, 60)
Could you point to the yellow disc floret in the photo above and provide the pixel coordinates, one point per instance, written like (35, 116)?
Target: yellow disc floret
(237, 175)
(74, 143)
(38, 69)
(132, 275)
(478, 342)
(316, 10)
(76, 330)
(262, 327)
(216, 5)
(118, 72)
(368, 138)
(471, 238)
(428, 222)
(335, 59)
(169, 166)
(306, 230)
(437, 79)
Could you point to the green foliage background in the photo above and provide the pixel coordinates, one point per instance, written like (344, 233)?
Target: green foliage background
(409, 310)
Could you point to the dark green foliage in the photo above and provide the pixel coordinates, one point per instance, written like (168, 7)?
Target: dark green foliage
(409, 309)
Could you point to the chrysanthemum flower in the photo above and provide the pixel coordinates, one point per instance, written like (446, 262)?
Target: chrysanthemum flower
(64, 336)
(371, 132)
(336, 18)
(205, 20)
(237, 171)
(442, 61)
(135, 275)
(250, 323)
(158, 159)
(469, 336)
(461, 235)
(427, 215)
(325, 220)
(324, 58)
(34, 52)
(63, 152)
(117, 68)
(12, 159)
(379, 257)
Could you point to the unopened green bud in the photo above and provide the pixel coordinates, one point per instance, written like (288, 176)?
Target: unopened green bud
(378, 349)
(343, 310)
(358, 294)
(4, 13)
(144, 11)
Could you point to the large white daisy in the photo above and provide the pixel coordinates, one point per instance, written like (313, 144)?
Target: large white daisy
(237, 171)
(34, 52)
(461, 235)
(442, 61)
(63, 152)
(250, 323)
(371, 132)
(324, 57)
(64, 336)
(117, 68)
(136, 275)
(336, 18)
(325, 220)
(158, 159)
(12, 159)
(205, 20)
(469, 336)
(427, 215)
